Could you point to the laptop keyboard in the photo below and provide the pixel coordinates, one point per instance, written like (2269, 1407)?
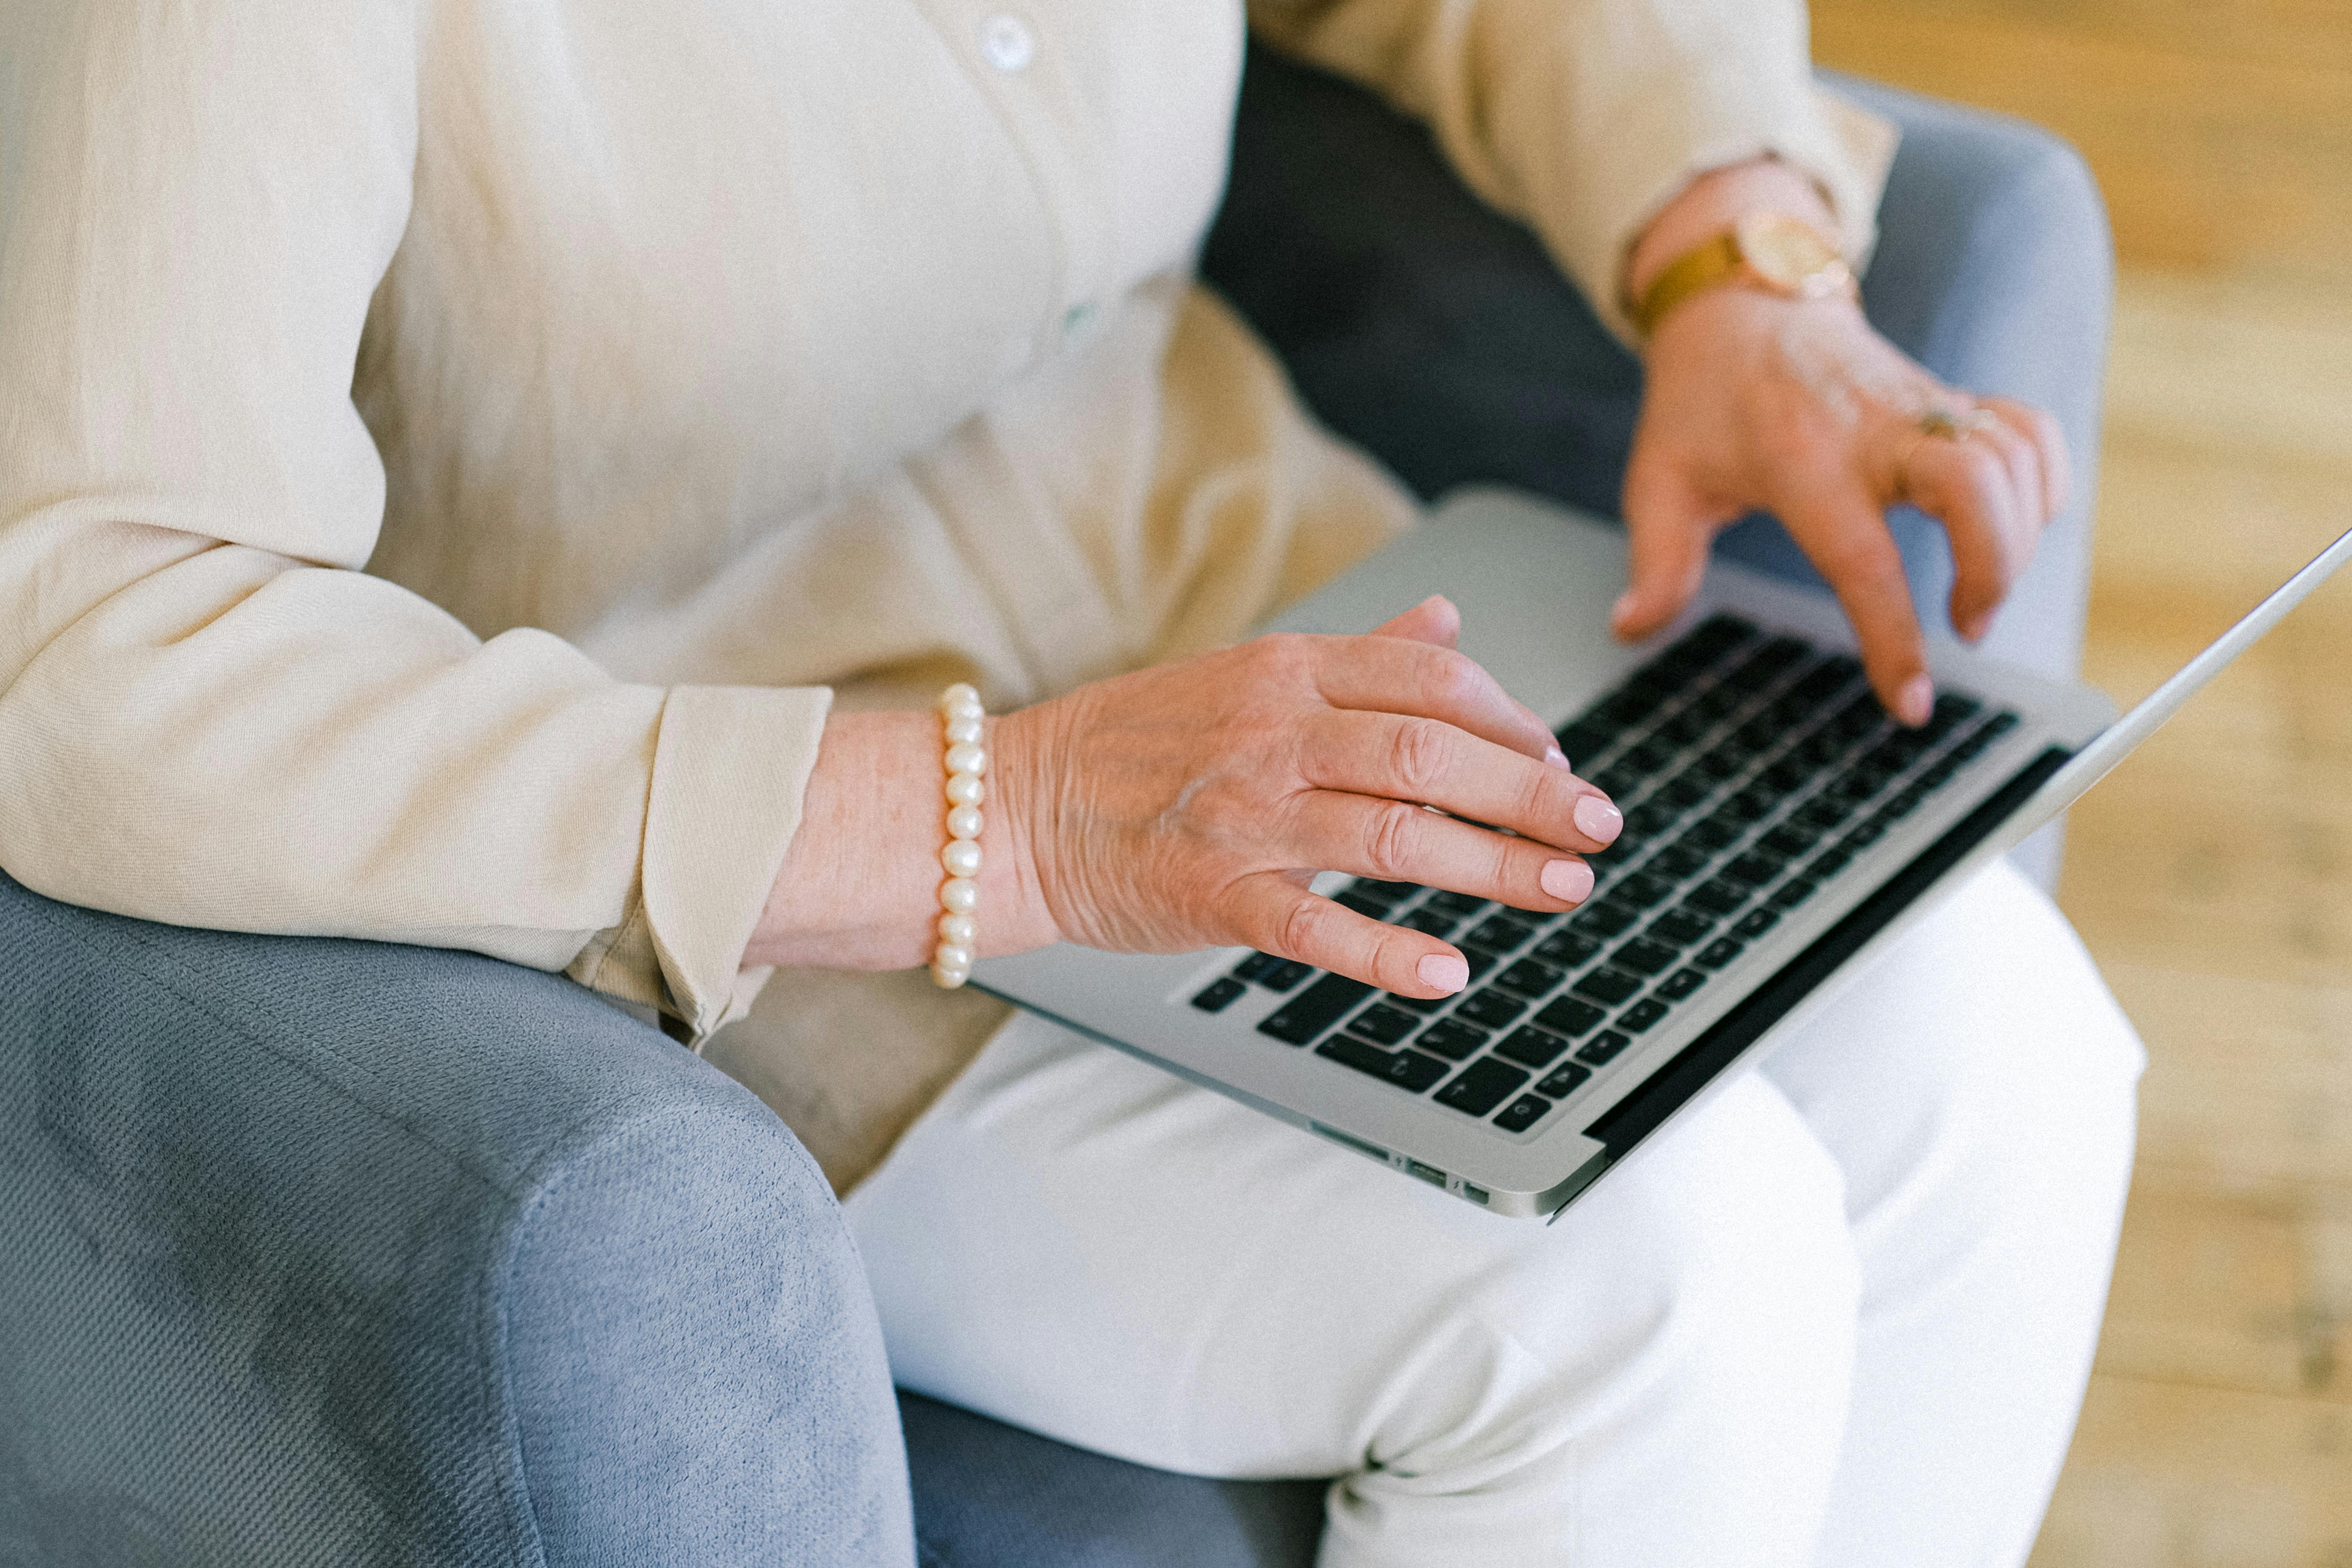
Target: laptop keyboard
(1752, 769)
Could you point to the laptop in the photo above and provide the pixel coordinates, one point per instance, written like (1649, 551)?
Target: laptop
(1779, 831)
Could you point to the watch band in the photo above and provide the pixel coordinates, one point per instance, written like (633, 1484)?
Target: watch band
(1717, 259)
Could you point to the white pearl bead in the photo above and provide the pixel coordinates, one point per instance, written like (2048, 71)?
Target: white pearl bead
(960, 858)
(960, 695)
(958, 895)
(961, 728)
(967, 757)
(965, 789)
(947, 955)
(959, 930)
(964, 822)
(949, 979)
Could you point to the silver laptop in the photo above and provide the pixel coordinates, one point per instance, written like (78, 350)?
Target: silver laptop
(1779, 831)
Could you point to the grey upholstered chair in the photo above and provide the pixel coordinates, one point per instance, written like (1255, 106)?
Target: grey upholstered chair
(326, 1252)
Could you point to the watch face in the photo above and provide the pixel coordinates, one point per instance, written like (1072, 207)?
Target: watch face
(1788, 254)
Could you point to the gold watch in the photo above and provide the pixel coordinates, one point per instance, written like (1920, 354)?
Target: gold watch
(1767, 250)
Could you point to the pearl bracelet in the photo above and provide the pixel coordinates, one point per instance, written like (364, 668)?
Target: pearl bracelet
(967, 760)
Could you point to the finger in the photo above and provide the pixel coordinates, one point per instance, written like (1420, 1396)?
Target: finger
(1841, 530)
(1436, 620)
(1669, 525)
(1971, 486)
(1426, 761)
(1393, 675)
(1275, 914)
(1390, 841)
(2049, 444)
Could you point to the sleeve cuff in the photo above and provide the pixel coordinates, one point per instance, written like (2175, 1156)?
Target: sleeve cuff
(1845, 149)
(730, 765)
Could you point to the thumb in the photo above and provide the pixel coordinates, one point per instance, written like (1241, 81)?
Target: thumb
(1669, 524)
(1434, 620)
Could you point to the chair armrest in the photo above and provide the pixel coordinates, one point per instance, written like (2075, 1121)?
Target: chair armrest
(330, 1251)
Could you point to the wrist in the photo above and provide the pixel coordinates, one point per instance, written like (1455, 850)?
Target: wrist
(1714, 203)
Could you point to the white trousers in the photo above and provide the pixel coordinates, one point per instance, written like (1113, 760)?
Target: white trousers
(1842, 1315)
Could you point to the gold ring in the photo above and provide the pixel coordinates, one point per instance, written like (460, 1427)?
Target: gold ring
(1944, 424)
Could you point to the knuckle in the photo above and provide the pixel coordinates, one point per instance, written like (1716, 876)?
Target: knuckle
(1420, 751)
(1301, 924)
(1392, 838)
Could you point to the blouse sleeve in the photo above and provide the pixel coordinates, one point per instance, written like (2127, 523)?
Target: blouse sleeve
(209, 715)
(1584, 116)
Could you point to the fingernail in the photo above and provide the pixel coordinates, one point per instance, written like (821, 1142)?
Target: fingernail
(1557, 758)
(1443, 972)
(1621, 608)
(1597, 820)
(1975, 628)
(1916, 703)
(1569, 880)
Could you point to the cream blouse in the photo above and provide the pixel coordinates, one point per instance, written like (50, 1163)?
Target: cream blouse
(453, 452)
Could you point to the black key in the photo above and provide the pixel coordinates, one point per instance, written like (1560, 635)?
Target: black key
(1754, 870)
(1683, 727)
(1585, 743)
(1567, 1016)
(1715, 701)
(1864, 835)
(1257, 966)
(1490, 1010)
(1615, 780)
(1820, 748)
(1678, 861)
(1568, 948)
(1720, 952)
(1783, 777)
(1528, 977)
(1859, 717)
(1951, 708)
(1647, 759)
(1531, 1048)
(1759, 733)
(1523, 1113)
(1315, 1009)
(1641, 890)
(1452, 1039)
(1603, 1047)
(1906, 801)
(1793, 892)
(1431, 921)
(1479, 962)
(1722, 763)
(1482, 1085)
(1607, 986)
(1286, 974)
(1564, 1079)
(1824, 812)
(1788, 841)
(1710, 833)
(1642, 1014)
(1381, 1025)
(1679, 927)
(1629, 705)
(1361, 905)
(1685, 789)
(1606, 918)
(1219, 995)
(1455, 903)
(1718, 896)
(1828, 864)
(1652, 818)
(1756, 922)
(1386, 892)
(1680, 983)
(1499, 935)
(1644, 956)
(1939, 772)
(1406, 1069)
(1750, 805)
(1859, 784)
(1418, 1004)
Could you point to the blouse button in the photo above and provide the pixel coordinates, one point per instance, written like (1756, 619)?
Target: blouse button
(1005, 42)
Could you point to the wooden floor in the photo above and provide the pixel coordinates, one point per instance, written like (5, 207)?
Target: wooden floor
(2213, 874)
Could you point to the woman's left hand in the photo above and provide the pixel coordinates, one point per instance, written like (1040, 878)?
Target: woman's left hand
(1799, 408)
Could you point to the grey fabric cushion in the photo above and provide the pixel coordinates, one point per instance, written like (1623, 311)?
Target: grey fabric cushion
(325, 1252)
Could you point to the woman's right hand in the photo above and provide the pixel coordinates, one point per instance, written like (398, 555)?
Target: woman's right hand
(1187, 805)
